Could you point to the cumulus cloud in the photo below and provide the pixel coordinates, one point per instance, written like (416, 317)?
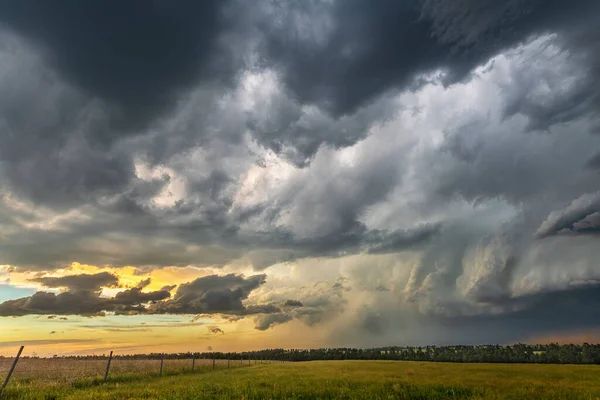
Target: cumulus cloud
(90, 282)
(211, 294)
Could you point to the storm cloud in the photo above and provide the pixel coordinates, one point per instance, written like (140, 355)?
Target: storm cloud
(208, 295)
(424, 170)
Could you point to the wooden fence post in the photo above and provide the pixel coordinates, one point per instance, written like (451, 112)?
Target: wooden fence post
(162, 360)
(12, 368)
(213, 362)
(193, 362)
(108, 367)
(228, 362)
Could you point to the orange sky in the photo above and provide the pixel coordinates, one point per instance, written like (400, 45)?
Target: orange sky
(48, 335)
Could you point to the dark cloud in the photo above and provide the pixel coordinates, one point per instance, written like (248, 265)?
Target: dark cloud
(137, 56)
(84, 282)
(82, 297)
(81, 302)
(292, 303)
(142, 284)
(352, 51)
(594, 162)
(393, 242)
(268, 308)
(211, 294)
(295, 132)
(136, 296)
(373, 322)
(571, 310)
(581, 216)
(264, 322)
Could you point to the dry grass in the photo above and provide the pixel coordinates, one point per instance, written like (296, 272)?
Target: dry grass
(56, 372)
(327, 380)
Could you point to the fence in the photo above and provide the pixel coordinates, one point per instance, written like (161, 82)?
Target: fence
(22, 371)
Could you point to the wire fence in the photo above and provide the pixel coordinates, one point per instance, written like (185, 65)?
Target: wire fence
(82, 371)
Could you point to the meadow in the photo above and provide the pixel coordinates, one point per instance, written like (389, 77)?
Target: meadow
(322, 380)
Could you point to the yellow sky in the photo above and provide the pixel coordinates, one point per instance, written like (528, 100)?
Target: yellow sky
(141, 334)
(48, 335)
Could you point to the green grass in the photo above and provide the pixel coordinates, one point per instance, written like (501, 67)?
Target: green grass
(341, 380)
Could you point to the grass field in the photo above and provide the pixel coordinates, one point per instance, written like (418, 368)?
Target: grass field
(337, 380)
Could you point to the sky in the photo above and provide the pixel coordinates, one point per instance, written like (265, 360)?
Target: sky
(232, 175)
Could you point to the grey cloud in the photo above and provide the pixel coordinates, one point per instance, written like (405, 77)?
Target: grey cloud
(91, 282)
(319, 302)
(537, 314)
(297, 132)
(265, 322)
(215, 330)
(315, 314)
(581, 216)
(142, 284)
(373, 322)
(81, 302)
(136, 296)
(353, 50)
(261, 309)
(211, 294)
(321, 217)
(594, 162)
(153, 48)
(392, 242)
(48, 145)
(292, 303)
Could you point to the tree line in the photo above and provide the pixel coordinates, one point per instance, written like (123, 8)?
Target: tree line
(520, 353)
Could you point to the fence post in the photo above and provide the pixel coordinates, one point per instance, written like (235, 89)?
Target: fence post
(108, 366)
(162, 360)
(193, 362)
(213, 362)
(12, 368)
(248, 361)
(228, 362)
